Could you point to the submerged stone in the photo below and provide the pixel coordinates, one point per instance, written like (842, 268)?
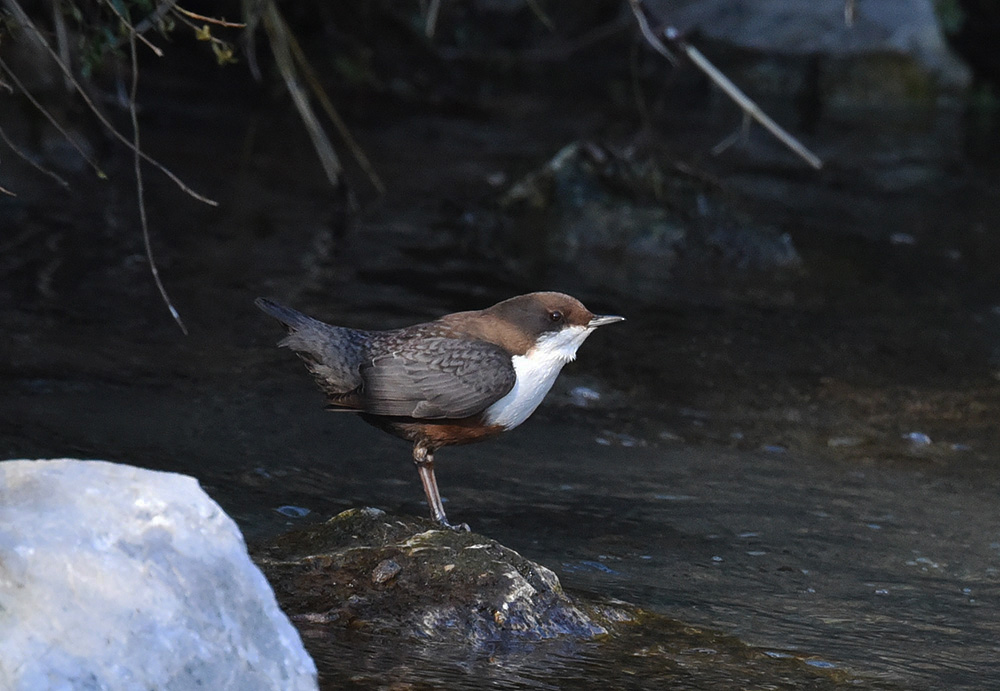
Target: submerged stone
(406, 576)
(629, 221)
(115, 577)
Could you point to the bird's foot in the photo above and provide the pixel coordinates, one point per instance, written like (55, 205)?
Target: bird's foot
(458, 528)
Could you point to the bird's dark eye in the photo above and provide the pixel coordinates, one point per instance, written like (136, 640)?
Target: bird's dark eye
(555, 316)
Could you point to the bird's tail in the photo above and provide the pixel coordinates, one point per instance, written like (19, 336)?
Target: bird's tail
(293, 319)
(332, 353)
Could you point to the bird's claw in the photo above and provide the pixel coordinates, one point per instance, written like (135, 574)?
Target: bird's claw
(457, 527)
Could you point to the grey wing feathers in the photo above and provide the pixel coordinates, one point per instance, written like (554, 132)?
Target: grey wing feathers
(442, 378)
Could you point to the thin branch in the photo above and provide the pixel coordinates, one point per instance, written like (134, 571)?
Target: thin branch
(647, 32)
(278, 32)
(62, 38)
(39, 167)
(430, 25)
(155, 16)
(320, 93)
(4, 190)
(24, 20)
(744, 102)
(55, 123)
(139, 187)
(541, 16)
(128, 25)
(210, 20)
(253, 10)
(727, 86)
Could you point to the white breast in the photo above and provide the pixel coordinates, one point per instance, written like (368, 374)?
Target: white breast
(536, 371)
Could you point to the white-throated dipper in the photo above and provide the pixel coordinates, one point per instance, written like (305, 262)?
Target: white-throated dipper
(462, 378)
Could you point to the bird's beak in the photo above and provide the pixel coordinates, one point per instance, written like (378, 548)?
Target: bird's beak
(602, 319)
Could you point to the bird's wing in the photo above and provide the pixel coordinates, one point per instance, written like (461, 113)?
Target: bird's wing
(437, 377)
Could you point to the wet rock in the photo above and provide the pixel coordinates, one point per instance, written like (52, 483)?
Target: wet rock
(116, 577)
(386, 569)
(847, 56)
(627, 221)
(846, 442)
(917, 440)
(364, 569)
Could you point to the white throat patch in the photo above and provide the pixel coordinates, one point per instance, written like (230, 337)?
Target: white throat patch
(536, 371)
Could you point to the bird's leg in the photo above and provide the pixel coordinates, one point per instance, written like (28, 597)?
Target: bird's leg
(424, 458)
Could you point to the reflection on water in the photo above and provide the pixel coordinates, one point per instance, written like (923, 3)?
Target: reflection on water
(660, 654)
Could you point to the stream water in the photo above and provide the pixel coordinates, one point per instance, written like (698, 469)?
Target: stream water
(795, 478)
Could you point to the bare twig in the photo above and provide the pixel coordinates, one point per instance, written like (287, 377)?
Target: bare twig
(253, 10)
(132, 30)
(55, 123)
(541, 16)
(723, 82)
(430, 23)
(154, 18)
(748, 106)
(209, 20)
(139, 187)
(30, 161)
(293, 65)
(278, 33)
(62, 38)
(23, 19)
(320, 93)
(647, 32)
(4, 190)
(740, 135)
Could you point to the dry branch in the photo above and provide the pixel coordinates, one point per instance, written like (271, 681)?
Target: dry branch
(141, 198)
(314, 84)
(278, 33)
(209, 20)
(132, 30)
(52, 121)
(293, 64)
(430, 24)
(32, 162)
(750, 108)
(22, 18)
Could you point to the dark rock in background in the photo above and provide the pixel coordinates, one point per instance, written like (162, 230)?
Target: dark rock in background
(630, 222)
(849, 57)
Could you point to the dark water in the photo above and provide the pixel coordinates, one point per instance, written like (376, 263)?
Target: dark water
(796, 478)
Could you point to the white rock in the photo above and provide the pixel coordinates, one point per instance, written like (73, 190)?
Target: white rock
(115, 577)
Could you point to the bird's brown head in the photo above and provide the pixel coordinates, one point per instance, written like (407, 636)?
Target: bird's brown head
(522, 322)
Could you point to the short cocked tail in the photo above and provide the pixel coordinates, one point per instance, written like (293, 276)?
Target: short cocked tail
(332, 353)
(286, 315)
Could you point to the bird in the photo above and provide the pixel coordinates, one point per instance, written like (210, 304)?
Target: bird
(464, 377)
